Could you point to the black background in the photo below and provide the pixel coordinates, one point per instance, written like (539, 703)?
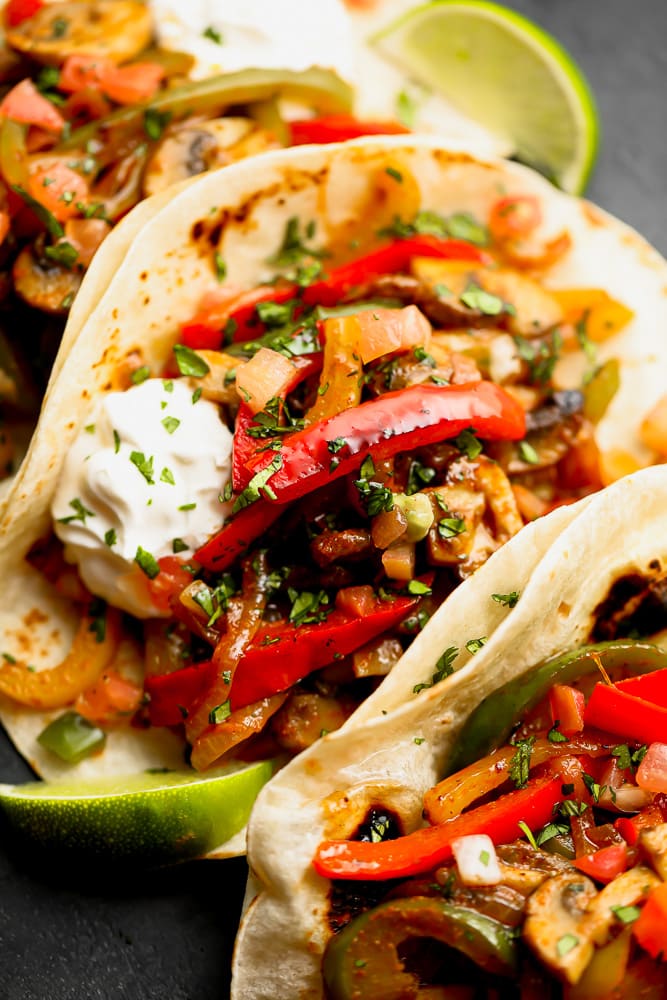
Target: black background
(99, 935)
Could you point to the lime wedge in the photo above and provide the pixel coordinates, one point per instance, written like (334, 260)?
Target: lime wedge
(508, 74)
(150, 819)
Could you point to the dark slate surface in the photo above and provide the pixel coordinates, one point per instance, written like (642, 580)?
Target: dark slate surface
(95, 936)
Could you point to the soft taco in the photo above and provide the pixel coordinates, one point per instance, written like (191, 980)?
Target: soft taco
(504, 831)
(418, 352)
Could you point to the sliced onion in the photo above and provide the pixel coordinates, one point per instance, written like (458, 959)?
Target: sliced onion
(627, 798)
(383, 331)
(377, 658)
(266, 375)
(476, 860)
(652, 772)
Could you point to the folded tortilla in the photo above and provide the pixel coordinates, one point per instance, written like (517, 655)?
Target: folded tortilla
(393, 759)
(240, 215)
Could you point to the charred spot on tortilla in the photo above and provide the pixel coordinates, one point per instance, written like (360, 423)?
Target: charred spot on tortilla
(635, 605)
(348, 899)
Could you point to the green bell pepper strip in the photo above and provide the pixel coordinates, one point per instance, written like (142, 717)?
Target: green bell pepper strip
(315, 86)
(363, 960)
(491, 723)
(426, 848)
(72, 737)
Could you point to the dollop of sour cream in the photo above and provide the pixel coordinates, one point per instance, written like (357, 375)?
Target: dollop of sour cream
(145, 475)
(225, 36)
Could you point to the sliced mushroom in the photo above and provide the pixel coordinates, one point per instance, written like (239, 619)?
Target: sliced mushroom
(628, 889)
(555, 925)
(204, 146)
(512, 300)
(525, 868)
(654, 845)
(44, 284)
(305, 717)
(117, 29)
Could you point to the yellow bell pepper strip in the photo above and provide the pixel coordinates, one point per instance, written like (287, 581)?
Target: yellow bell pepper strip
(396, 421)
(425, 849)
(93, 649)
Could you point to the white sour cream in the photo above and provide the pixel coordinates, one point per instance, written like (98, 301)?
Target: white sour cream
(148, 467)
(264, 34)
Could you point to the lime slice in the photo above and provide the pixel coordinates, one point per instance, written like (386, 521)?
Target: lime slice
(500, 69)
(150, 818)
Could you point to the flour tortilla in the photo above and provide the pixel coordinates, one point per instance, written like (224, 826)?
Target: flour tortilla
(240, 213)
(393, 759)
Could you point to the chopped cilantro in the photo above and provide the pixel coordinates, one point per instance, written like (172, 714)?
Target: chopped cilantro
(626, 914)
(116, 442)
(170, 424)
(450, 527)
(89, 428)
(307, 606)
(144, 465)
(45, 217)
(220, 713)
(155, 122)
(294, 247)
(187, 506)
(220, 266)
(178, 545)
(468, 444)
(375, 497)
(393, 172)
(259, 482)
(62, 253)
(475, 297)
(213, 34)
(463, 226)
(9, 658)
(528, 453)
(541, 357)
(418, 740)
(59, 26)
(554, 735)
(196, 395)
(336, 445)
(443, 668)
(527, 832)
(484, 857)
(167, 476)
(566, 943)
(110, 537)
(80, 513)
(274, 314)
(189, 362)
(474, 645)
(406, 109)
(147, 563)
(519, 769)
(510, 600)
(417, 587)
(418, 477)
(140, 375)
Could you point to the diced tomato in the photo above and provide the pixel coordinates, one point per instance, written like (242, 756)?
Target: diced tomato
(112, 697)
(383, 331)
(79, 72)
(165, 588)
(604, 865)
(59, 189)
(650, 928)
(25, 104)
(134, 83)
(567, 707)
(17, 11)
(514, 216)
(359, 601)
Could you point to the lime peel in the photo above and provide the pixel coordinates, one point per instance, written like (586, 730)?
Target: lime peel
(507, 73)
(149, 819)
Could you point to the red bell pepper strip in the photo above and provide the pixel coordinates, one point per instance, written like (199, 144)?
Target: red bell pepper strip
(245, 446)
(171, 695)
(623, 714)
(338, 128)
(604, 865)
(651, 687)
(424, 849)
(396, 421)
(390, 259)
(282, 653)
(650, 928)
(220, 551)
(654, 814)
(17, 11)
